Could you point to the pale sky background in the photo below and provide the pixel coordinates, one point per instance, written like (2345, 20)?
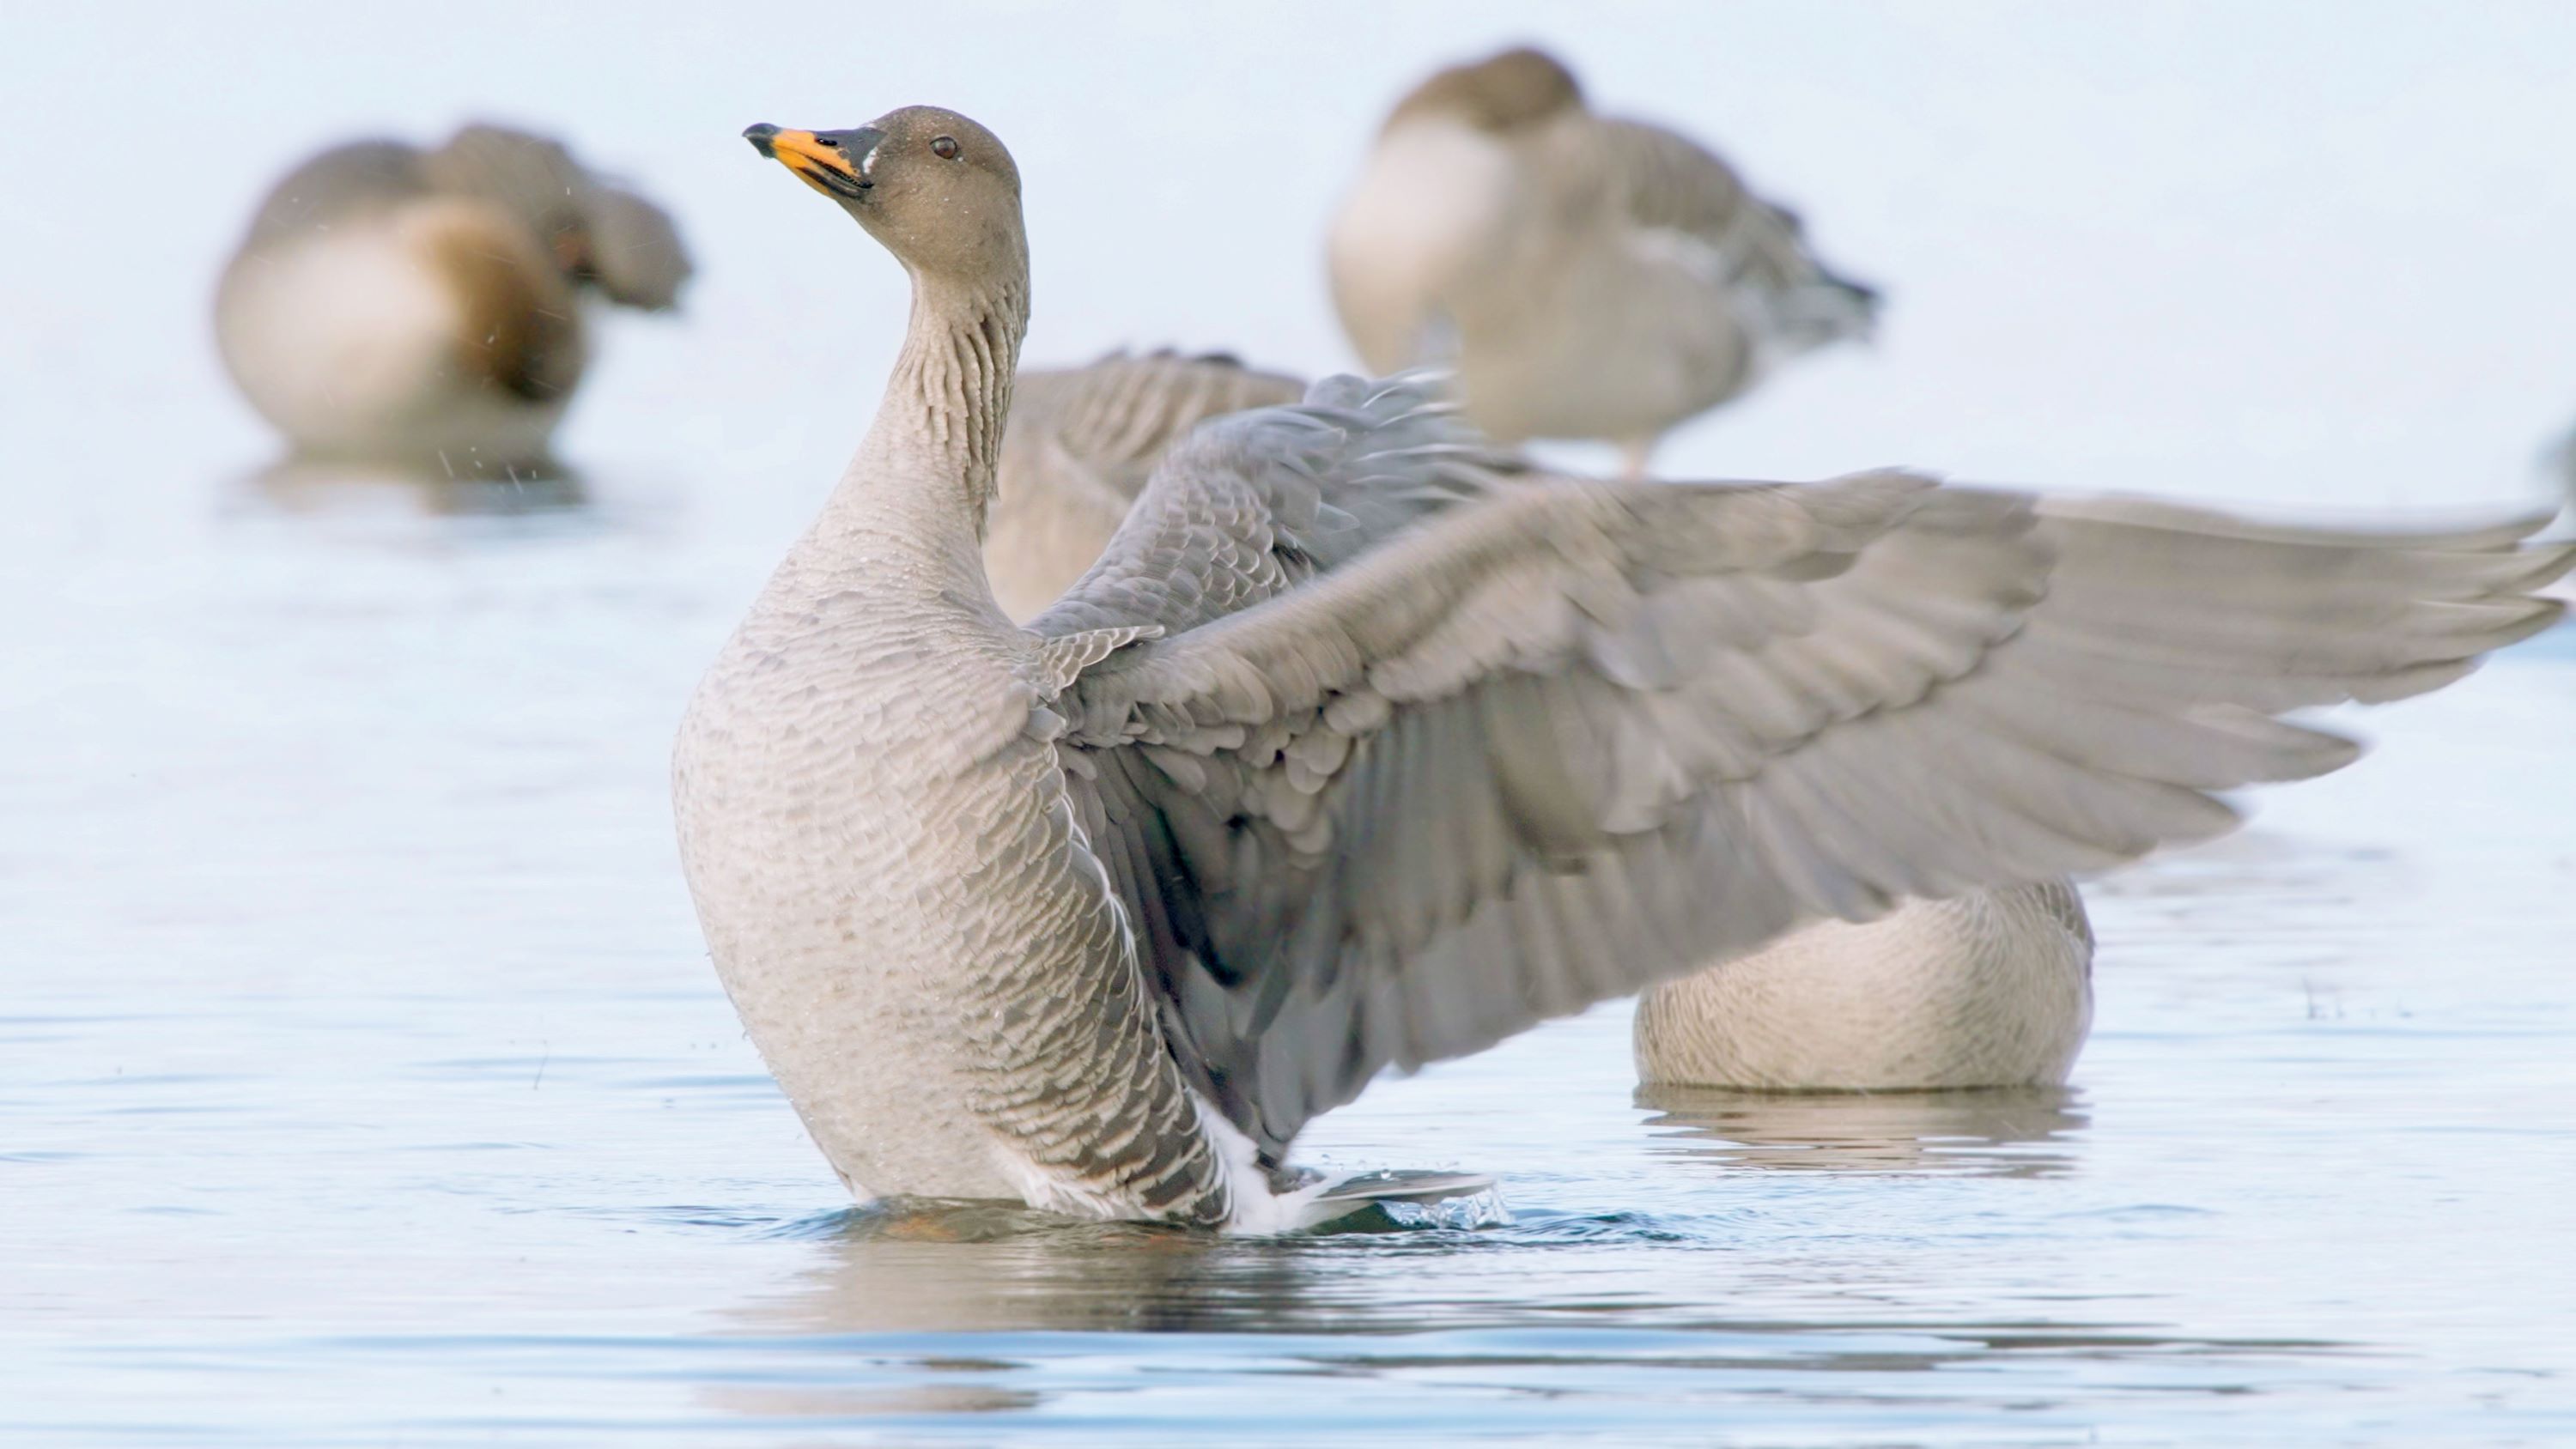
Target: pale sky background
(2319, 252)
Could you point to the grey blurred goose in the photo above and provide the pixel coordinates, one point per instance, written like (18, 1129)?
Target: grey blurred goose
(424, 307)
(1989, 988)
(1993, 988)
(1349, 755)
(1588, 277)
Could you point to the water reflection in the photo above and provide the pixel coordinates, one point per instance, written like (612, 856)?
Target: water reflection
(332, 488)
(1518, 1320)
(2256, 864)
(951, 1268)
(1995, 1132)
(837, 1401)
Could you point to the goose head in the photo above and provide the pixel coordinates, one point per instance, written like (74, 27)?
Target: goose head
(933, 187)
(1501, 94)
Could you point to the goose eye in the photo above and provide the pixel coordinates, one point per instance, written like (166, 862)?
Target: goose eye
(944, 147)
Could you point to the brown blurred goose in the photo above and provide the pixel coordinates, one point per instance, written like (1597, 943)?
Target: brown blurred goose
(1351, 753)
(424, 307)
(1588, 277)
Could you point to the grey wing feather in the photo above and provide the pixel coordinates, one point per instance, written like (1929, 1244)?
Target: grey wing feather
(1119, 415)
(2063, 901)
(1252, 504)
(1567, 739)
(1666, 179)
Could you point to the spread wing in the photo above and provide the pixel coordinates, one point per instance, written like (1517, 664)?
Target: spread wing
(1542, 743)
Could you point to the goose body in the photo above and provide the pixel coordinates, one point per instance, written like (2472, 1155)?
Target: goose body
(425, 307)
(1587, 277)
(975, 892)
(1361, 747)
(1989, 989)
(1993, 988)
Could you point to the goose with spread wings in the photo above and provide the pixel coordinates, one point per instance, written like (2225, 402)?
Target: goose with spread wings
(1361, 748)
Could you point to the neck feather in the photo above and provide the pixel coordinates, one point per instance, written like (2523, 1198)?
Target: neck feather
(951, 389)
(923, 478)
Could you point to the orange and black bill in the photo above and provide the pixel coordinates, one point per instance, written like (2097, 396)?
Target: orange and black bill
(828, 161)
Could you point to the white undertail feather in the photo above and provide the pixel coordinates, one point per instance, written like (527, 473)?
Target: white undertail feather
(1261, 1209)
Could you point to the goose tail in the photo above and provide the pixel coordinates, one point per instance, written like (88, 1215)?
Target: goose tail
(1830, 307)
(1272, 1199)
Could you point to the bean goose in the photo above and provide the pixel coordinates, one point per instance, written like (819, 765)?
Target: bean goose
(1989, 989)
(1587, 277)
(1346, 755)
(392, 304)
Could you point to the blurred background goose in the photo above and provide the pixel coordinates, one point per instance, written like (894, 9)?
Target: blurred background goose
(1588, 277)
(423, 307)
(1992, 988)
(1351, 753)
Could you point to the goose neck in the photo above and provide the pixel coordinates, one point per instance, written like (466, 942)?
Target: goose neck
(924, 477)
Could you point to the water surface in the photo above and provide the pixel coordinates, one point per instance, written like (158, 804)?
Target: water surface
(364, 1081)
